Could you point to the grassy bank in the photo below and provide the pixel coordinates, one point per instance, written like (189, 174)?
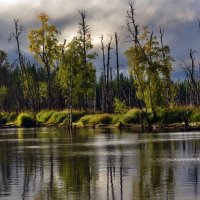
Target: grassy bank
(133, 117)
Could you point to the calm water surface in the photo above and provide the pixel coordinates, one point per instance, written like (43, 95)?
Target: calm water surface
(42, 164)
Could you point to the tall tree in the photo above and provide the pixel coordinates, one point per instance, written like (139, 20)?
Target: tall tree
(150, 65)
(86, 56)
(44, 45)
(76, 73)
(108, 78)
(103, 102)
(4, 78)
(106, 75)
(117, 62)
(24, 75)
(192, 75)
(68, 75)
(3, 94)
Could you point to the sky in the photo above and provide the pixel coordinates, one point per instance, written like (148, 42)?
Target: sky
(179, 18)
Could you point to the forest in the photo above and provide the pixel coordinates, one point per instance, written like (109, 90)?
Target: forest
(63, 76)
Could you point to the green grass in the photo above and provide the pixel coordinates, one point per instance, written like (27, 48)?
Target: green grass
(96, 119)
(26, 120)
(101, 119)
(7, 117)
(195, 115)
(117, 118)
(164, 116)
(44, 115)
(170, 116)
(76, 115)
(11, 116)
(2, 118)
(58, 117)
(132, 117)
(85, 120)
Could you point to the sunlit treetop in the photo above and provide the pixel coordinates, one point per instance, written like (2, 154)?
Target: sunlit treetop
(43, 17)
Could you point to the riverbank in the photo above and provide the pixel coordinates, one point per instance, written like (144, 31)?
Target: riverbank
(134, 128)
(167, 120)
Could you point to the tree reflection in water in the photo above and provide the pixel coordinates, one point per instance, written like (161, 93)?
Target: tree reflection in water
(98, 164)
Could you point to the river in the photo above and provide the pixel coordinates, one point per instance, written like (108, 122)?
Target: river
(98, 164)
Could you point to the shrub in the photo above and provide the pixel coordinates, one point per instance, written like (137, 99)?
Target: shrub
(3, 119)
(96, 119)
(101, 119)
(76, 115)
(168, 116)
(58, 117)
(132, 116)
(26, 120)
(195, 116)
(119, 106)
(11, 117)
(86, 119)
(44, 115)
(7, 117)
(117, 118)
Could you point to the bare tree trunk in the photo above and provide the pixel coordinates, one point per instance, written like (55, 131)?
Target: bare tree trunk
(117, 63)
(192, 77)
(104, 77)
(18, 31)
(70, 100)
(84, 30)
(108, 105)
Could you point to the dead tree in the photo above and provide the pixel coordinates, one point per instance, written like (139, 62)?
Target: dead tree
(192, 76)
(169, 93)
(84, 35)
(104, 76)
(117, 63)
(108, 82)
(19, 29)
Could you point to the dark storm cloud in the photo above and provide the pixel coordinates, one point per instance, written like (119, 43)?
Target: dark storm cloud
(177, 17)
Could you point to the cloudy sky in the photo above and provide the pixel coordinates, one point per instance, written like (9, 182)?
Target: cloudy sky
(179, 18)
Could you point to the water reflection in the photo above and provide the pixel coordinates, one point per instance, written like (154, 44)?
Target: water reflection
(98, 164)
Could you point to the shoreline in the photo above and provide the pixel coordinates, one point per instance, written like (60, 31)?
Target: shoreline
(136, 128)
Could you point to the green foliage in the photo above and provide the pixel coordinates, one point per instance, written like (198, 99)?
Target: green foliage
(26, 120)
(2, 118)
(195, 116)
(86, 119)
(46, 49)
(44, 42)
(119, 106)
(152, 76)
(150, 63)
(132, 117)
(76, 74)
(58, 117)
(169, 116)
(3, 93)
(43, 90)
(72, 73)
(101, 119)
(7, 117)
(11, 116)
(44, 115)
(96, 119)
(116, 118)
(76, 115)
